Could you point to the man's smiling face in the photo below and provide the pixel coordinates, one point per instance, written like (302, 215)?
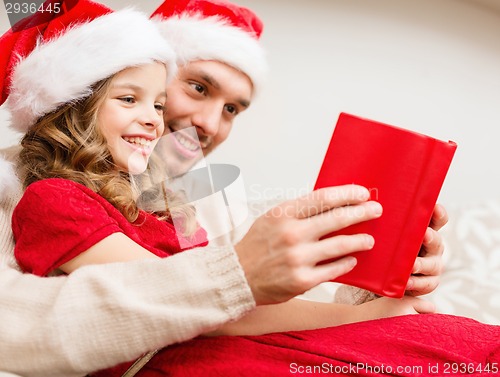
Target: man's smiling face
(202, 103)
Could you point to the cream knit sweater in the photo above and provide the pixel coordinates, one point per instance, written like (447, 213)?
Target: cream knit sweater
(102, 315)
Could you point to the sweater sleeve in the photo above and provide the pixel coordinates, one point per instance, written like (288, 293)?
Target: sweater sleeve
(103, 315)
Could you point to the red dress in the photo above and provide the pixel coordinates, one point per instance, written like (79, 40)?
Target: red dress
(57, 219)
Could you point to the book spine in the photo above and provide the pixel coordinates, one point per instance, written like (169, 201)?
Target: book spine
(431, 177)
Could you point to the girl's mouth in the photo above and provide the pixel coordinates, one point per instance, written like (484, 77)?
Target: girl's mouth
(139, 143)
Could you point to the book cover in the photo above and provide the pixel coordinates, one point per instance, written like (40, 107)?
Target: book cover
(404, 171)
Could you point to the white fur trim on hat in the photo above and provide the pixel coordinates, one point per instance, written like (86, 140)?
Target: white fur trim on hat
(64, 69)
(195, 37)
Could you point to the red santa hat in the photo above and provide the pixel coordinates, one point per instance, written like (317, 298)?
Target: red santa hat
(214, 30)
(55, 58)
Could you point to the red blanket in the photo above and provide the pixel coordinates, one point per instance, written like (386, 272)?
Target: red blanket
(415, 345)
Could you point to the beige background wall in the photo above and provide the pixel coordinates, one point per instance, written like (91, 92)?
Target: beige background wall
(430, 66)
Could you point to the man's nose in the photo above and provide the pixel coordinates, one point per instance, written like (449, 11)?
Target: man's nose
(208, 119)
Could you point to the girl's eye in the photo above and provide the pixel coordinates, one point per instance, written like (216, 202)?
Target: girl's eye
(160, 107)
(198, 87)
(127, 99)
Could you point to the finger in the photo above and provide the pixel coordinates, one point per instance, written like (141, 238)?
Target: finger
(325, 199)
(432, 244)
(339, 246)
(330, 271)
(422, 285)
(342, 217)
(439, 217)
(420, 305)
(428, 265)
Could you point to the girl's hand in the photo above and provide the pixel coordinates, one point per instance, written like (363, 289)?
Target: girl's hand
(429, 265)
(384, 307)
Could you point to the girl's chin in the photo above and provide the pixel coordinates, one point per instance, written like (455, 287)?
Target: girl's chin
(136, 164)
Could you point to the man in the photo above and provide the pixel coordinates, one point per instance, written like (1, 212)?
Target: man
(113, 313)
(214, 85)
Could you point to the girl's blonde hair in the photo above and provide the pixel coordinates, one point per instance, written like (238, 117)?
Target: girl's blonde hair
(67, 143)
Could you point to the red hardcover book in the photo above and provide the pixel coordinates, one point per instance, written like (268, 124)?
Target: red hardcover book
(404, 172)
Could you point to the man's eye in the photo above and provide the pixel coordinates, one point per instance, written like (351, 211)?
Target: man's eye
(231, 109)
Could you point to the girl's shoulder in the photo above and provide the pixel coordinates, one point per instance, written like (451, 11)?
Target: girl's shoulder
(61, 192)
(58, 185)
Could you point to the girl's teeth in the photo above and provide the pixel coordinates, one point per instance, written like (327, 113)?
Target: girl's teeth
(137, 140)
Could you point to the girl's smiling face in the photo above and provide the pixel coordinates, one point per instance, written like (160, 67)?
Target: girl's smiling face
(131, 116)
